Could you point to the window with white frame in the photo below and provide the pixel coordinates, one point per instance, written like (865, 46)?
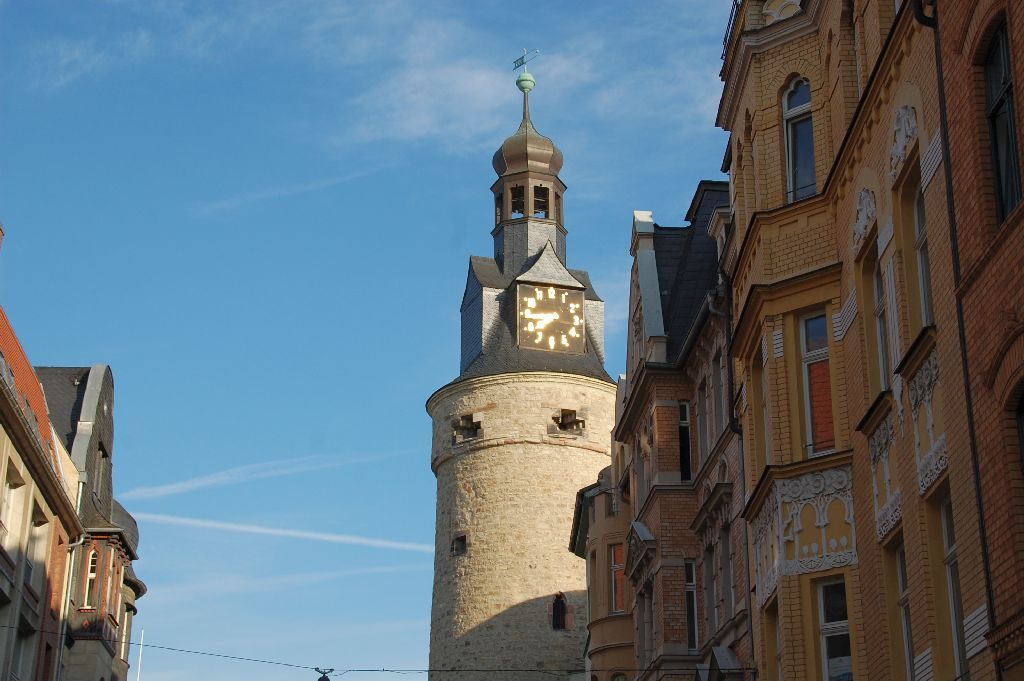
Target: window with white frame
(817, 384)
(711, 600)
(800, 172)
(837, 663)
(617, 578)
(685, 469)
(924, 270)
(703, 421)
(725, 559)
(718, 393)
(956, 608)
(903, 600)
(11, 511)
(999, 109)
(35, 549)
(766, 434)
(881, 325)
(692, 639)
(89, 600)
(108, 578)
(126, 633)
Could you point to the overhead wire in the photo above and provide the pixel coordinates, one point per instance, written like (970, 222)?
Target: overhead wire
(338, 672)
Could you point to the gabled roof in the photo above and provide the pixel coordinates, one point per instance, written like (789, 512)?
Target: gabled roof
(548, 269)
(489, 275)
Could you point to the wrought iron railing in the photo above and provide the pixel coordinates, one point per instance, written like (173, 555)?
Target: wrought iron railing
(731, 26)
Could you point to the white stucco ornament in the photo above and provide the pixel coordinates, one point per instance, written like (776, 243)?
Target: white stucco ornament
(904, 133)
(867, 213)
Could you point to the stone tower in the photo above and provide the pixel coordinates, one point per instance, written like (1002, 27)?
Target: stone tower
(525, 425)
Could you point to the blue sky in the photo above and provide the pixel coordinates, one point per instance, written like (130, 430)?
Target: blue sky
(259, 214)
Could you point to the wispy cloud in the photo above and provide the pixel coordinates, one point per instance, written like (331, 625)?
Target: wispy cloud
(58, 62)
(292, 533)
(225, 584)
(247, 473)
(207, 208)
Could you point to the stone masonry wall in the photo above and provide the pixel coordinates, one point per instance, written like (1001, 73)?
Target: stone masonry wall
(510, 490)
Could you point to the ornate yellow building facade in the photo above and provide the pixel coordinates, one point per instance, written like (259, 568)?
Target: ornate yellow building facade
(867, 554)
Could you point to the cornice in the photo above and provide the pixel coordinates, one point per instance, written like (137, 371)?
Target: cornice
(37, 461)
(470, 384)
(760, 294)
(750, 42)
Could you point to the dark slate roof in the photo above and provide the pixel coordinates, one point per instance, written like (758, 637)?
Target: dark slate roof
(490, 275)
(502, 355)
(123, 519)
(688, 264)
(64, 388)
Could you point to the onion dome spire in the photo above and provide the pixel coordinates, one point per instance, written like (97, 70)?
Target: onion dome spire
(527, 149)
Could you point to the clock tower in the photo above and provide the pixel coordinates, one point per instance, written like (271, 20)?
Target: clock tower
(524, 426)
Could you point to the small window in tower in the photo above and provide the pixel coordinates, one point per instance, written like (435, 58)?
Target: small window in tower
(459, 545)
(518, 202)
(558, 611)
(466, 427)
(558, 208)
(569, 421)
(540, 202)
(497, 208)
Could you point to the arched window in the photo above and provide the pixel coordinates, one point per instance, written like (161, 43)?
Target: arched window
(796, 108)
(1000, 114)
(558, 610)
(90, 581)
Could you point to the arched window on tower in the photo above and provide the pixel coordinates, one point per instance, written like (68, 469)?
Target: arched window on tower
(540, 202)
(558, 611)
(518, 195)
(800, 174)
(89, 601)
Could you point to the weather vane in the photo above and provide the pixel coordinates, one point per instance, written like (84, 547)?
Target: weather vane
(527, 56)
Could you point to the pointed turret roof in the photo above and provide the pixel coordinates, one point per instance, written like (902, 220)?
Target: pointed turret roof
(527, 149)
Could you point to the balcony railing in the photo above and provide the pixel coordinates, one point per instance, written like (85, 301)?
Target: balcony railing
(731, 26)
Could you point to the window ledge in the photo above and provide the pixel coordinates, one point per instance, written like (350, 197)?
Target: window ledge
(916, 352)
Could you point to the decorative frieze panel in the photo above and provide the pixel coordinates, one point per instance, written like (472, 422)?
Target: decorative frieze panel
(929, 447)
(866, 215)
(640, 543)
(774, 10)
(888, 502)
(806, 525)
(904, 134)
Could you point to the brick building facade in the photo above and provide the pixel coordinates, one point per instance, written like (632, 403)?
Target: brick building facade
(982, 48)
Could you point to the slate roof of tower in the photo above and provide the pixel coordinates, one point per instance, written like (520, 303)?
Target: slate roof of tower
(65, 389)
(688, 264)
(503, 355)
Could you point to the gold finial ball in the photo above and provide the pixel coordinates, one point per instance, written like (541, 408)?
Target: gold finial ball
(525, 81)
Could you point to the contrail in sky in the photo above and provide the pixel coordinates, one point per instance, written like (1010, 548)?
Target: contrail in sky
(328, 537)
(252, 471)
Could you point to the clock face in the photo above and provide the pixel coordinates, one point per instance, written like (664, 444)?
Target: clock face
(550, 318)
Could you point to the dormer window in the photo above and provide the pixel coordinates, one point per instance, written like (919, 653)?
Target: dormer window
(518, 202)
(540, 202)
(800, 174)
